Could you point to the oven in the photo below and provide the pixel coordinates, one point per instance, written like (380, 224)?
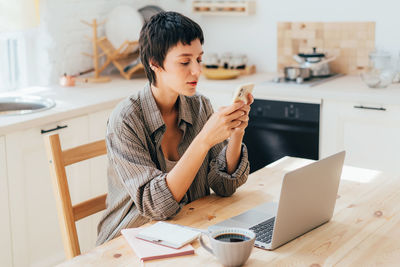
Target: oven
(279, 128)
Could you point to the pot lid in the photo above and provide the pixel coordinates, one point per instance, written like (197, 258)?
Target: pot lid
(313, 54)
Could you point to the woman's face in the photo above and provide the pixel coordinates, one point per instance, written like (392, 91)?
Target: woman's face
(182, 69)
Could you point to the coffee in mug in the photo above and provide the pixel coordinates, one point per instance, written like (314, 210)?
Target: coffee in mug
(232, 246)
(232, 237)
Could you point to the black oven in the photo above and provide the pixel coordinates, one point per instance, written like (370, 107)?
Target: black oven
(278, 128)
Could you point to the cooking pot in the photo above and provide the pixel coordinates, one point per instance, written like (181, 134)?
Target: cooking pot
(297, 74)
(317, 62)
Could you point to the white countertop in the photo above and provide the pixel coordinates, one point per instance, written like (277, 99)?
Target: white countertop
(345, 88)
(70, 102)
(88, 98)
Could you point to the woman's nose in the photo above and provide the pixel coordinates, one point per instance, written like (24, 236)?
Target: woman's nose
(196, 69)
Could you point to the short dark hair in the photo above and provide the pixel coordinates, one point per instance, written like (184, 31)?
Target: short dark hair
(162, 32)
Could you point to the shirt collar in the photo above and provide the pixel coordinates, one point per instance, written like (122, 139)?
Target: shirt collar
(185, 109)
(152, 114)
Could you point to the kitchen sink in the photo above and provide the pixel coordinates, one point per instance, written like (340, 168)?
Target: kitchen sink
(20, 105)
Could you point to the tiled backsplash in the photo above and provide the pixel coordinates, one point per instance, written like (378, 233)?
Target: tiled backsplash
(351, 42)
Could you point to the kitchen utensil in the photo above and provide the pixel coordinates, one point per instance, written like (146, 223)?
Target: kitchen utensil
(313, 57)
(83, 72)
(71, 80)
(380, 59)
(211, 60)
(96, 56)
(321, 68)
(294, 72)
(67, 80)
(226, 60)
(315, 66)
(378, 78)
(380, 73)
(238, 61)
(317, 62)
(125, 58)
(123, 24)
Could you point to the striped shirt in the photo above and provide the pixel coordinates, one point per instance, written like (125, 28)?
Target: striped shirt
(137, 188)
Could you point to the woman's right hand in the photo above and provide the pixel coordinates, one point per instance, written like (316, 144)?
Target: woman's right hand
(222, 123)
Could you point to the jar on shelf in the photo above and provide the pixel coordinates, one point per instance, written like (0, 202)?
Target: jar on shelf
(380, 73)
(226, 60)
(211, 60)
(238, 61)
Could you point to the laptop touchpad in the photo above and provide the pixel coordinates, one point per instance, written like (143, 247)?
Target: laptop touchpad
(252, 217)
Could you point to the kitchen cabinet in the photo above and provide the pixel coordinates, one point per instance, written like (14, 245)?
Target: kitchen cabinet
(98, 174)
(369, 132)
(5, 231)
(35, 228)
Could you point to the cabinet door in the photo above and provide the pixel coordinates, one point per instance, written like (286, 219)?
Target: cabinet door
(98, 175)
(5, 231)
(368, 132)
(35, 228)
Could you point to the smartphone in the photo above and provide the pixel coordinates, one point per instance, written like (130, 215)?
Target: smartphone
(242, 91)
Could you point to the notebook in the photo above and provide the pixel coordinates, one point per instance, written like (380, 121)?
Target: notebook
(150, 251)
(168, 234)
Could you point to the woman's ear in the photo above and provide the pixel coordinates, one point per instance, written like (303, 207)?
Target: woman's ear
(153, 66)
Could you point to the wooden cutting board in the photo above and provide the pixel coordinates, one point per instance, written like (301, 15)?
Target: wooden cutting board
(351, 42)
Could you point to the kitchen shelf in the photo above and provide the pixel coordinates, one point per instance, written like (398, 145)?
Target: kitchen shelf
(241, 8)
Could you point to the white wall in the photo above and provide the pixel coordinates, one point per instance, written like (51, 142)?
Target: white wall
(61, 33)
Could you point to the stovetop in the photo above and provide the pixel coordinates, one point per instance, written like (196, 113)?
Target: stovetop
(308, 83)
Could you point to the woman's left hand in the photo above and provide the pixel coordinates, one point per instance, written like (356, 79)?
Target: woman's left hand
(239, 131)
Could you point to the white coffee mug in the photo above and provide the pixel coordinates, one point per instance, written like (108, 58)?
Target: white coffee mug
(232, 246)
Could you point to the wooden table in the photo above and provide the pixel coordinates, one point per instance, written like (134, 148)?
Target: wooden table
(365, 228)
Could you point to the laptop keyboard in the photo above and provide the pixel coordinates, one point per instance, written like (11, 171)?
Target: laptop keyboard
(263, 230)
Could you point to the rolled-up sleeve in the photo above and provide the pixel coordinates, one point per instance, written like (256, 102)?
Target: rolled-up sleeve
(144, 182)
(220, 181)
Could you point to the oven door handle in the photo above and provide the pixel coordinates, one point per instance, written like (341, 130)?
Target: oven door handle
(284, 127)
(373, 108)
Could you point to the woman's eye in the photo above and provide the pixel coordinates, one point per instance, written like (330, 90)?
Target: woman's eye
(185, 63)
(199, 60)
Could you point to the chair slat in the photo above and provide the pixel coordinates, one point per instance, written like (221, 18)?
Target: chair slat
(84, 152)
(89, 207)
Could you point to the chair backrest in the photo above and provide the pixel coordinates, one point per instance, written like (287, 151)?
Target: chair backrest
(68, 214)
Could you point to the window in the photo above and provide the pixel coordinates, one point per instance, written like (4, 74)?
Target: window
(13, 74)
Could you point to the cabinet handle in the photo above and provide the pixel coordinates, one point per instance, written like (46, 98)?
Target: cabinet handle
(363, 107)
(54, 129)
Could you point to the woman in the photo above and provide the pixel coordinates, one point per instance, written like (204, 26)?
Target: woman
(165, 146)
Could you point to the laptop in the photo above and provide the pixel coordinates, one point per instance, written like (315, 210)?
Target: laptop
(307, 200)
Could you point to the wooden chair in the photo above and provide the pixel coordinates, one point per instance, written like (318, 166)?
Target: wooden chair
(68, 214)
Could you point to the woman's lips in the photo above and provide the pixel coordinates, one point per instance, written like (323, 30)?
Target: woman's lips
(192, 83)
